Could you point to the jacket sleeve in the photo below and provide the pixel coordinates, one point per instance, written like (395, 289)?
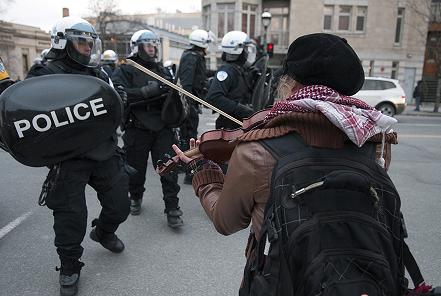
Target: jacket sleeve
(218, 95)
(230, 202)
(38, 70)
(122, 76)
(187, 72)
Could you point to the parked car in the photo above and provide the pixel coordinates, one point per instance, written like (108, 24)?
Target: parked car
(385, 94)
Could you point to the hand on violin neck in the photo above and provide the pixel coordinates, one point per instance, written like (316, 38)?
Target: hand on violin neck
(184, 157)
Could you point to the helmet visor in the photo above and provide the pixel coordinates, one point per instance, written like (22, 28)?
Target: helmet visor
(149, 50)
(84, 48)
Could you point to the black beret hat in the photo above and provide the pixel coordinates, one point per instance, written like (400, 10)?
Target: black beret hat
(327, 60)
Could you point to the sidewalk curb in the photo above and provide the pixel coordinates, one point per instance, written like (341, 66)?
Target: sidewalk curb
(421, 114)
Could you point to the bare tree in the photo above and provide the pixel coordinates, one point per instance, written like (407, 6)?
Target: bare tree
(103, 11)
(430, 12)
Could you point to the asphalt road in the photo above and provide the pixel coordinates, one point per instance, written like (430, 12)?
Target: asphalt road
(194, 260)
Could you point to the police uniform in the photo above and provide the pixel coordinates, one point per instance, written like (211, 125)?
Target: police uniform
(192, 75)
(102, 168)
(145, 132)
(109, 69)
(231, 93)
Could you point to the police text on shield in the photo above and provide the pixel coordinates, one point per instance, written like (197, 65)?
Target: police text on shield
(43, 122)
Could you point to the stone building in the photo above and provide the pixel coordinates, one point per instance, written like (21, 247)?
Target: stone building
(172, 28)
(386, 34)
(20, 45)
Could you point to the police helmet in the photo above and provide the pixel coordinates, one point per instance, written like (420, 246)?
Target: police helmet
(234, 44)
(109, 57)
(201, 38)
(79, 39)
(140, 43)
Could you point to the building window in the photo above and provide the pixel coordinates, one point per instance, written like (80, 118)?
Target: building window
(328, 16)
(361, 18)
(435, 9)
(249, 19)
(206, 17)
(278, 31)
(399, 27)
(344, 17)
(395, 67)
(225, 18)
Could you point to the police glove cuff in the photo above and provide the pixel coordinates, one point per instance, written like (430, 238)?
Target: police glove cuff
(151, 90)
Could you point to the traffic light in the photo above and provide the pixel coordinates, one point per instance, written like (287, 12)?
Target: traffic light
(270, 49)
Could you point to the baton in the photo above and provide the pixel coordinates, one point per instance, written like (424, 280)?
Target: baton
(181, 90)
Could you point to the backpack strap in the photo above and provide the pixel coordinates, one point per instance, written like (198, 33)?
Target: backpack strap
(412, 266)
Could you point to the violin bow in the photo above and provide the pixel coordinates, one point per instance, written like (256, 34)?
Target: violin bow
(181, 90)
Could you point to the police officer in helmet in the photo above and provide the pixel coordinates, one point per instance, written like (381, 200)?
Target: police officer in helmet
(109, 59)
(75, 49)
(230, 90)
(145, 132)
(192, 73)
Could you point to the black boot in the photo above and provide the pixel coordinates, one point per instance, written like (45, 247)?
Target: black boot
(107, 239)
(188, 179)
(135, 206)
(69, 276)
(174, 217)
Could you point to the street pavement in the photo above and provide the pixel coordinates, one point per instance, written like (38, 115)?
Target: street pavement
(426, 110)
(194, 260)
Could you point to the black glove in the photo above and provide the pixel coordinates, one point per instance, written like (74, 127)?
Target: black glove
(122, 93)
(242, 111)
(152, 89)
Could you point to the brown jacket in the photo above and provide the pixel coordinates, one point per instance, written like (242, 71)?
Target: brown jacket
(238, 198)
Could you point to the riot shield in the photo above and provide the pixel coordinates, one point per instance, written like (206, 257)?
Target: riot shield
(48, 119)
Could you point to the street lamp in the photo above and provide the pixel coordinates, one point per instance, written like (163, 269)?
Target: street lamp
(266, 22)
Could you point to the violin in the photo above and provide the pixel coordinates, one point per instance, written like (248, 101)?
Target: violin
(216, 145)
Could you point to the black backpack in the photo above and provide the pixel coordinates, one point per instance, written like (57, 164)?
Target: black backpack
(332, 226)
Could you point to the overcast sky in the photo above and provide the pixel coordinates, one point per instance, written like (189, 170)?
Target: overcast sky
(44, 13)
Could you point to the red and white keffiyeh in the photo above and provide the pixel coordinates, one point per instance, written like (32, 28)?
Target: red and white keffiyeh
(355, 118)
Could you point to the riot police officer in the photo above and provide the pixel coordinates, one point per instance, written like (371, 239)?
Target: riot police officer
(145, 132)
(75, 49)
(230, 89)
(108, 61)
(193, 77)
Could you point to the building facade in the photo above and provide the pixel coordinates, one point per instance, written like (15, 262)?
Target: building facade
(19, 46)
(172, 29)
(432, 63)
(386, 34)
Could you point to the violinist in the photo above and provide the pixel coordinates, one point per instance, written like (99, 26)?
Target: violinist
(320, 73)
